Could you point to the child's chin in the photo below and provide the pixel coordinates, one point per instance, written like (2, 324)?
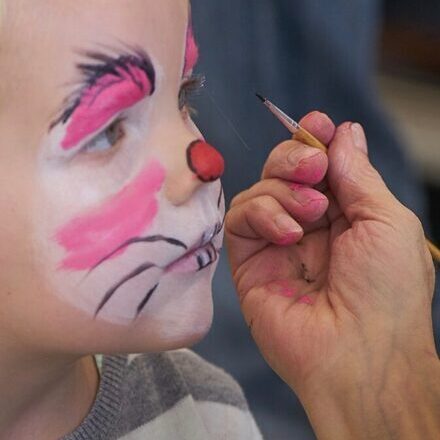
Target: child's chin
(179, 316)
(188, 330)
(175, 335)
(187, 340)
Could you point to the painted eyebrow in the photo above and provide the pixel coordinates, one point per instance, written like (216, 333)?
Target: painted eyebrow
(191, 49)
(99, 65)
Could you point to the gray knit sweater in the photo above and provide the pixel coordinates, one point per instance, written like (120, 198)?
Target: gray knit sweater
(167, 396)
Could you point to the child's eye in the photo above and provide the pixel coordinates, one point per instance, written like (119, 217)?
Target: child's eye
(107, 139)
(190, 87)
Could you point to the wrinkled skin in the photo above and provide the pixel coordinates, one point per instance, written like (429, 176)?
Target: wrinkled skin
(336, 285)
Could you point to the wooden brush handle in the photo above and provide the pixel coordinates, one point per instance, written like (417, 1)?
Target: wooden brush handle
(435, 251)
(307, 138)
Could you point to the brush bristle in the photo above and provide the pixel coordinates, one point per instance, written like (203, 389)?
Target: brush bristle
(261, 98)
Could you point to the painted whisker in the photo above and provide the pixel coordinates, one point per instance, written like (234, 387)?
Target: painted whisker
(135, 240)
(219, 201)
(221, 225)
(144, 302)
(207, 255)
(139, 270)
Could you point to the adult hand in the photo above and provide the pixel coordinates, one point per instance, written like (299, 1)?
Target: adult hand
(336, 287)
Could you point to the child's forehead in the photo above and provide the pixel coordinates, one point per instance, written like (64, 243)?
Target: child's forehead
(42, 56)
(155, 26)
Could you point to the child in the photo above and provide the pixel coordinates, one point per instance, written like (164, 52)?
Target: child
(112, 222)
(112, 225)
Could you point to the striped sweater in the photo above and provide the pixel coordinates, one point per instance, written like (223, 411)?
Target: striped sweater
(168, 396)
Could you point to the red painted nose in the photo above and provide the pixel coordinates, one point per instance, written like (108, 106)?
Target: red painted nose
(205, 161)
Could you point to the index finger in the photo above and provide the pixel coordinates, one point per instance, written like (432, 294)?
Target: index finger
(320, 125)
(298, 162)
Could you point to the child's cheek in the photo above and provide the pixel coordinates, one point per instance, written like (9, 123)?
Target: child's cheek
(93, 236)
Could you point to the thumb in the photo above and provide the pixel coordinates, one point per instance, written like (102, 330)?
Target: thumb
(359, 189)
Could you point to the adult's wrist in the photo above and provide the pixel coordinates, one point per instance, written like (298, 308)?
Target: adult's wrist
(399, 399)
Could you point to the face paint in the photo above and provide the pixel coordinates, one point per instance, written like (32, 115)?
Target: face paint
(205, 161)
(191, 51)
(111, 86)
(75, 206)
(91, 237)
(109, 96)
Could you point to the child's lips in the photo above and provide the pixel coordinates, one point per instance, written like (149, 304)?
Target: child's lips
(199, 256)
(194, 260)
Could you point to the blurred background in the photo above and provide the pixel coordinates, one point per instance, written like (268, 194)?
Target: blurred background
(372, 61)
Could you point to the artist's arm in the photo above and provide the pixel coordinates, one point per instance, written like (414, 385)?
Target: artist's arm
(398, 398)
(339, 304)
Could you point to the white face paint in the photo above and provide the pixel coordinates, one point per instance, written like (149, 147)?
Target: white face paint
(120, 259)
(126, 208)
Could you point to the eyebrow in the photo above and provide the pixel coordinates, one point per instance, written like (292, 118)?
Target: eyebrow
(101, 72)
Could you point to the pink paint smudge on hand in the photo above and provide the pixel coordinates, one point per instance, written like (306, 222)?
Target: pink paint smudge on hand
(111, 94)
(191, 51)
(91, 237)
(288, 240)
(306, 300)
(297, 186)
(282, 288)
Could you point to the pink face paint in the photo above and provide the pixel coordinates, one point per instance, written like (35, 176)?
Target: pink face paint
(191, 51)
(108, 96)
(91, 237)
(282, 288)
(306, 300)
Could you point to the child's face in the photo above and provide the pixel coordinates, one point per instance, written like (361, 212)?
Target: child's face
(112, 212)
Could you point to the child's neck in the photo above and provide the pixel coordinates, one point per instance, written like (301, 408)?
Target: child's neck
(44, 398)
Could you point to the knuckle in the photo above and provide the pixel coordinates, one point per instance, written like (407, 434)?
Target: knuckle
(281, 151)
(269, 187)
(237, 200)
(229, 221)
(259, 204)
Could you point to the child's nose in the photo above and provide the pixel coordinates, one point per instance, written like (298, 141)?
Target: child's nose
(205, 161)
(204, 164)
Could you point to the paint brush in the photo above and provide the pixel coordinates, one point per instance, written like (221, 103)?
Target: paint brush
(299, 133)
(302, 135)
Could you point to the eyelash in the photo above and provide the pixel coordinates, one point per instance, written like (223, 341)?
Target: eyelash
(189, 88)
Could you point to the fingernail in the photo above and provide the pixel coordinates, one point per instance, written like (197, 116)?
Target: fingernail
(286, 224)
(359, 139)
(298, 155)
(304, 195)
